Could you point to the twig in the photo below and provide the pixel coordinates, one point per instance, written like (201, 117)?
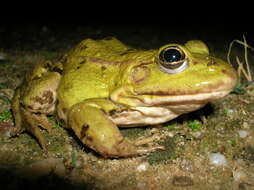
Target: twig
(247, 74)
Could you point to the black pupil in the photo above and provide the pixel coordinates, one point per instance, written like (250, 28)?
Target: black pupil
(172, 55)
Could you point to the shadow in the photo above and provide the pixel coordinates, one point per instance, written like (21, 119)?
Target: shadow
(10, 180)
(207, 110)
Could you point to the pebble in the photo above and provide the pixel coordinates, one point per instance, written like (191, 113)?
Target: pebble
(243, 133)
(141, 185)
(3, 56)
(142, 167)
(217, 159)
(187, 165)
(182, 181)
(42, 168)
(239, 175)
(246, 186)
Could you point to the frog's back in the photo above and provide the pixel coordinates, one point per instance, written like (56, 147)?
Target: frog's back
(108, 49)
(90, 70)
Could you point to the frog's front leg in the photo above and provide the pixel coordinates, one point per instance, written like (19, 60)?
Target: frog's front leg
(91, 124)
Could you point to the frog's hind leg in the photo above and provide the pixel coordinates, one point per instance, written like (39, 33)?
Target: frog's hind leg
(93, 127)
(25, 120)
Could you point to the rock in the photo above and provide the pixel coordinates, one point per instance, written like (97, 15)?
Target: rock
(182, 181)
(217, 159)
(245, 186)
(43, 168)
(187, 165)
(243, 133)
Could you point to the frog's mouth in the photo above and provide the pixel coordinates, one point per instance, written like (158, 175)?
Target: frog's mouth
(185, 99)
(150, 110)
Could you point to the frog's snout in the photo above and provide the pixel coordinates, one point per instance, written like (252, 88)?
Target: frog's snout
(232, 76)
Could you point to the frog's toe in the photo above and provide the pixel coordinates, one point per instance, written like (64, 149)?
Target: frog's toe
(127, 148)
(142, 141)
(146, 150)
(35, 131)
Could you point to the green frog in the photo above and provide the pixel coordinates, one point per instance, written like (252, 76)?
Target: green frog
(101, 85)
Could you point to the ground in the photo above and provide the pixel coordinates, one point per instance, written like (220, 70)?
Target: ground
(225, 127)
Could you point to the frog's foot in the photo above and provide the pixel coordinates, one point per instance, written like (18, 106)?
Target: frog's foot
(127, 148)
(26, 120)
(144, 141)
(33, 123)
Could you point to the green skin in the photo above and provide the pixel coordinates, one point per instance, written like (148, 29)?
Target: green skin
(102, 85)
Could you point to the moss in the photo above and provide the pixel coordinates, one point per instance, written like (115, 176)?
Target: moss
(74, 159)
(5, 116)
(195, 125)
(163, 156)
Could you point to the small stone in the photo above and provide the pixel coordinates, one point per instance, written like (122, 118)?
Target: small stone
(182, 181)
(3, 56)
(142, 167)
(245, 125)
(42, 168)
(217, 159)
(141, 185)
(243, 133)
(245, 186)
(187, 165)
(239, 175)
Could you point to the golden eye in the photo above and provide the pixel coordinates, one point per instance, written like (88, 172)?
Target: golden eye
(172, 60)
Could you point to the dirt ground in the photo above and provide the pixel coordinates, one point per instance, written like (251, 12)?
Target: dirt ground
(225, 127)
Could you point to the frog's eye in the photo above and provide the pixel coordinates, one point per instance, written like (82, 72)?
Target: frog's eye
(172, 60)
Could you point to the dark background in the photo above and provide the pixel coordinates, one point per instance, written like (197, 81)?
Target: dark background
(39, 25)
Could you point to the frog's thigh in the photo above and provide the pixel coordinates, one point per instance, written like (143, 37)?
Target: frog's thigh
(96, 130)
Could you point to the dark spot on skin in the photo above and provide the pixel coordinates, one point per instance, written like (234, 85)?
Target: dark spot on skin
(140, 73)
(83, 47)
(89, 138)
(83, 131)
(127, 51)
(232, 75)
(103, 111)
(36, 78)
(78, 67)
(195, 62)
(57, 70)
(47, 65)
(112, 112)
(224, 71)
(64, 110)
(63, 60)
(46, 98)
(103, 68)
(82, 62)
(211, 62)
(29, 107)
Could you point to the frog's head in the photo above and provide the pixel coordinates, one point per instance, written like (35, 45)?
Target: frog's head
(184, 75)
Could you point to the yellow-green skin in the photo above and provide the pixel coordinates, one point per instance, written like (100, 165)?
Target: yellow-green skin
(101, 85)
